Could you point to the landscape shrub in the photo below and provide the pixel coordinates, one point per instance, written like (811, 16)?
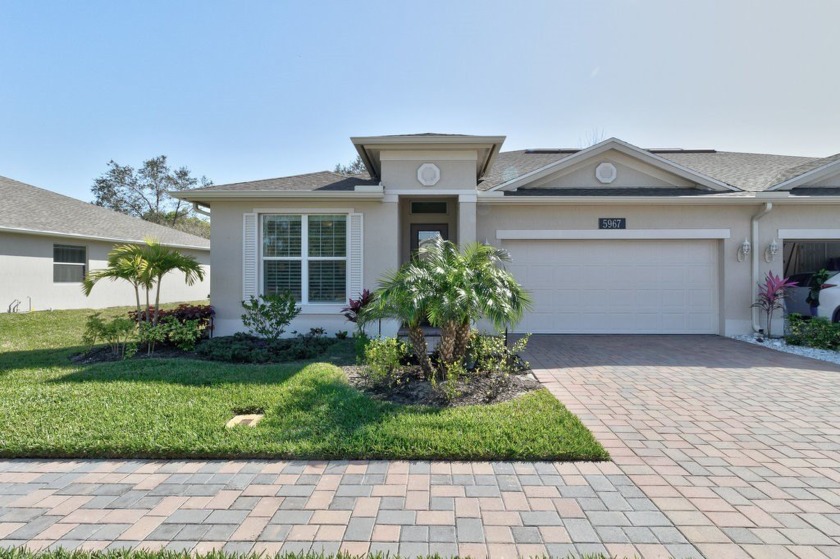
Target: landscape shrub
(116, 332)
(268, 315)
(181, 327)
(182, 334)
(245, 348)
(817, 332)
(150, 335)
(383, 358)
(452, 375)
(487, 353)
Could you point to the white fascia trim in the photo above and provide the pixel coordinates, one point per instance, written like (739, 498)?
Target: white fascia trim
(594, 234)
(806, 234)
(424, 155)
(468, 198)
(431, 191)
(285, 194)
(804, 178)
(23, 231)
(325, 211)
(739, 199)
(625, 148)
(369, 188)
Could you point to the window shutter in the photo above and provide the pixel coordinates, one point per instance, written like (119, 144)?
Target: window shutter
(249, 256)
(355, 256)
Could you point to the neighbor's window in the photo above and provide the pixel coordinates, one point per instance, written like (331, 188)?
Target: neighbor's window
(307, 255)
(69, 263)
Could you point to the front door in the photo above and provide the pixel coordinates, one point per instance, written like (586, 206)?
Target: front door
(422, 232)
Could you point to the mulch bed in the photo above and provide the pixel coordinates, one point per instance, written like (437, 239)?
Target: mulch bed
(476, 388)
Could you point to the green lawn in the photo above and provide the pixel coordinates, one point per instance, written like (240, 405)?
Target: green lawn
(168, 408)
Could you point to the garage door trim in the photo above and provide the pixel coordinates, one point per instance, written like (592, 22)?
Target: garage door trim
(606, 234)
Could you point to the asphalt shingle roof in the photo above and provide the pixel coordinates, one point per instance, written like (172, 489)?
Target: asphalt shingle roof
(322, 180)
(23, 206)
(747, 171)
(750, 172)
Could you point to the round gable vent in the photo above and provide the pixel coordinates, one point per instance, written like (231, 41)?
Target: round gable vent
(428, 174)
(605, 173)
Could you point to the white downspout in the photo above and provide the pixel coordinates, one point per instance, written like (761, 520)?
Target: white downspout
(198, 209)
(756, 253)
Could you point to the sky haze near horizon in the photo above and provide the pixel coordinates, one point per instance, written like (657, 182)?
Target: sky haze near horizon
(244, 91)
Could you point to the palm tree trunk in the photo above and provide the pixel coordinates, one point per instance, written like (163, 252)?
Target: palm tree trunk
(418, 344)
(137, 299)
(446, 347)
(147, 315)
(462, 340)
(157, 300)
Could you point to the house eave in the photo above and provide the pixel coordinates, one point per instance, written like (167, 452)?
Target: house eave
(276, 194)
(751, 198)
(80, 237)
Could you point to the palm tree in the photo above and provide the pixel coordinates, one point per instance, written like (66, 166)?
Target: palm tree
(404, 295)
(161, 260)
(125, 262)
(469, 285)
(145, 266)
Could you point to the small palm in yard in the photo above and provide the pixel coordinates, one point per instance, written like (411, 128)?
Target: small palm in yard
(469, 285)
(145, 266)
(404, 295)
(126, 263)
(452, 289)
(161, 260)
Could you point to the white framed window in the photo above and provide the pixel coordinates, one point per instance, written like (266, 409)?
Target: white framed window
(305, 254)
(69, 263)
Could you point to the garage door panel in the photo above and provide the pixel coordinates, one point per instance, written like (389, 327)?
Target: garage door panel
(618, 286)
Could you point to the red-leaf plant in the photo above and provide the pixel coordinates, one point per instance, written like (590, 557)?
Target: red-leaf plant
(771, 296)
(353, 310)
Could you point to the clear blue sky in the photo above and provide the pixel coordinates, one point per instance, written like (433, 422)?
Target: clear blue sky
(247, 90)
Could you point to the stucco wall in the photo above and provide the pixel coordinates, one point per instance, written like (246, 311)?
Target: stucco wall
(381, 254)
(457, 170)
(736, 294)
(26, 273)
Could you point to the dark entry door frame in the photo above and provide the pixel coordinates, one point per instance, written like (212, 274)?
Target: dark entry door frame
(423, 231)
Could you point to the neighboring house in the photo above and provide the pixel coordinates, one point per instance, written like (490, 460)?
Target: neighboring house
(48, 242)
(610, 239)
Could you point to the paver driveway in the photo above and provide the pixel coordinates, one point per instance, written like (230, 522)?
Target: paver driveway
(737, 444)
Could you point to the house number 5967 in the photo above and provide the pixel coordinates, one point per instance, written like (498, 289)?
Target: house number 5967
(612, 223)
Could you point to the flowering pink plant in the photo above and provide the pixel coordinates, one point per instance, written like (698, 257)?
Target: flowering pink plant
(771, 296)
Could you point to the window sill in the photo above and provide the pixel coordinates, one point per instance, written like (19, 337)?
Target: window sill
(321, 308)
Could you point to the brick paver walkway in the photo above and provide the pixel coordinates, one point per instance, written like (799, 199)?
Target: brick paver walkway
(476, 509)
(737, 444)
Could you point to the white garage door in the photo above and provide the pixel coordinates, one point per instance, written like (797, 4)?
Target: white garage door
(618, 287)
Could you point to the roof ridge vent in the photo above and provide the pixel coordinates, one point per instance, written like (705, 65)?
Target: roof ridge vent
(680, 150)
(552, 150)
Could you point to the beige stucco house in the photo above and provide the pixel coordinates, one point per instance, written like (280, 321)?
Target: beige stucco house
(609, 239)
(48, 242)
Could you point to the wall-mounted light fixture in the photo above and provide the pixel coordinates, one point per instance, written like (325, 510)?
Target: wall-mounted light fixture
(744, 250)
(771, 251)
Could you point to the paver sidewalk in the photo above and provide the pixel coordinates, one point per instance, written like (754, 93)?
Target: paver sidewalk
(739, 445)
(476, 509)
